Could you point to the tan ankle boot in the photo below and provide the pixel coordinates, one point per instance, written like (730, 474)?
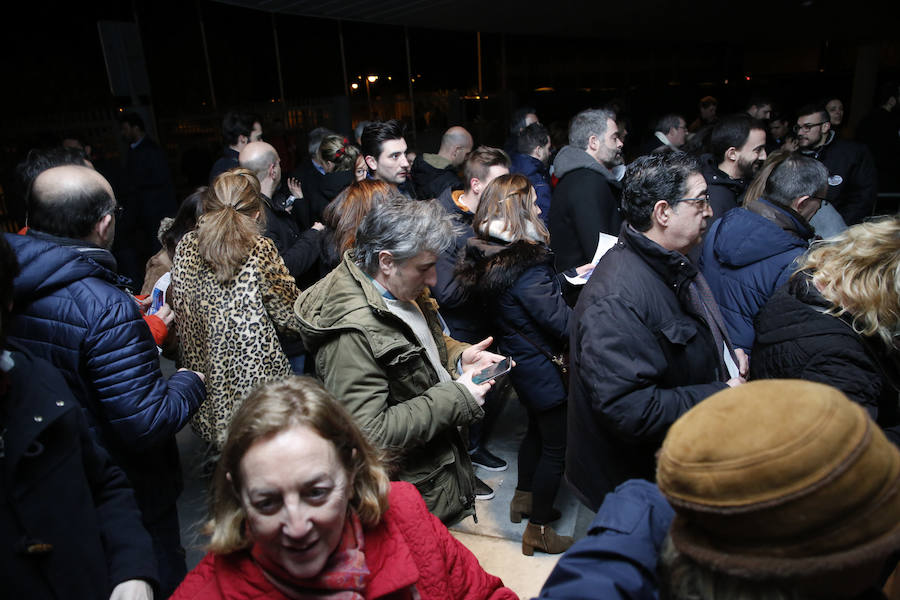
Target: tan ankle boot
(544, 538)
(520, 506)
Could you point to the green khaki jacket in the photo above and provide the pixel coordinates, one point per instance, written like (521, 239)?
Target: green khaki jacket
(372, 362)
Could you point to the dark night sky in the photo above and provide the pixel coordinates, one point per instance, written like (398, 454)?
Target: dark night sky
(55, 55)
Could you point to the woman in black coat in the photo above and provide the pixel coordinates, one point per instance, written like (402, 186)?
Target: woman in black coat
(837, 321)
(509, 267)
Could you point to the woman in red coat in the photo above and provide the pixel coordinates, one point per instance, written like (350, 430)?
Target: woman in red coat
(302, 508)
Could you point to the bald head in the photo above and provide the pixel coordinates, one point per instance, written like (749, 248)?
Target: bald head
(262, 159)
(456, 143)
(69, 201)
(257, 156)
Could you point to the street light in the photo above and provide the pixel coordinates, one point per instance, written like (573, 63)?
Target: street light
(370, 80)
(354, 86)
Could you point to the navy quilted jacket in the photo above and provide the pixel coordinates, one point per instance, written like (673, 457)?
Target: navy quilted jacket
(745, 258)
(68, 311)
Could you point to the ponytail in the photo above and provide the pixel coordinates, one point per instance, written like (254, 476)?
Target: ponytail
(229, 227)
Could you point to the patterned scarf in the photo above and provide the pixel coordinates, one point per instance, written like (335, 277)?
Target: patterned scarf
(344, 575)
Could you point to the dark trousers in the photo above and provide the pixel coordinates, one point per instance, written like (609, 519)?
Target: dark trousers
(542, 455)
(170, 556)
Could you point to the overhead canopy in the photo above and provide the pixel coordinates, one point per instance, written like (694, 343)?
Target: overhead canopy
(698, 20)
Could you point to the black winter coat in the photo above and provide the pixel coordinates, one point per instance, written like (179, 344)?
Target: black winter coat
(852, 178)
(521, 292)
(640, 358)
(69, 523)
(795, 339)
(725, 193)
(585, 203)
(429, 181)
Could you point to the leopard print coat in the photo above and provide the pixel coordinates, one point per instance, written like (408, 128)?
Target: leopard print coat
(228, 331)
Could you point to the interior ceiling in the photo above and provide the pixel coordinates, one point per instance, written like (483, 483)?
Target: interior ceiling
(812, 20)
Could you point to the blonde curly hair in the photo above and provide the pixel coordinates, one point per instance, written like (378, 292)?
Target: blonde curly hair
(858, 272)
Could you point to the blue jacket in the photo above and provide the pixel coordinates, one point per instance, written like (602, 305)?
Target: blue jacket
(539, 177)
(746, 256)
(617, 558)
(68, 311)
(521, 294)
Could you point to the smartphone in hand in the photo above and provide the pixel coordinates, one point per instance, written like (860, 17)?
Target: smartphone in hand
(492, 372)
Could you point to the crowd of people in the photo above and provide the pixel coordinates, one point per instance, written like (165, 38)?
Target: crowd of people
(704, 341)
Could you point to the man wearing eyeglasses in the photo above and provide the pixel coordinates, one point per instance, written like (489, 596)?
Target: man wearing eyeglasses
(648, 341)
(852, 179)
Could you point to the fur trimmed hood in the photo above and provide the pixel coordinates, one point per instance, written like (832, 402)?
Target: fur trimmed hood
(489, 267)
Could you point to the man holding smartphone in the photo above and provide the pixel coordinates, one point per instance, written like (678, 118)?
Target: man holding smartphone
(380, 347)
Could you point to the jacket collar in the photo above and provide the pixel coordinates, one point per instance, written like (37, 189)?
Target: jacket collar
(673, 267)
(101, 256)
(784, 216)
(347, 299)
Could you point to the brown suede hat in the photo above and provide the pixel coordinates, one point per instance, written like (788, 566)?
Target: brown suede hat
(781, 478)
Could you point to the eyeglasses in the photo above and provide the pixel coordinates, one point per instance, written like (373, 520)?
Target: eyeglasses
(118, 211)
(806, 126)
(702, 202)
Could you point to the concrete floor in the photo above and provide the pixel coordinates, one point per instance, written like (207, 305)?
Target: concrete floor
(493, 539)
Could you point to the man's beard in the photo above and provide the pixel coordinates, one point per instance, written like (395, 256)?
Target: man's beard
(615, 160)
(749, 169)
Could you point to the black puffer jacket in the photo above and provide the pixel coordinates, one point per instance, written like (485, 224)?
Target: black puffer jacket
(795, 339)
(518, 287)
(640, 356)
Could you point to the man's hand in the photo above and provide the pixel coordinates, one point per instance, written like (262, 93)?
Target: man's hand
(743, 362)
(294, 186)
(735, 381)
(477, 357)
(478, 390)
(317, 226)
(165, 313)
(197, 373)
(584, 268)
(133, 589)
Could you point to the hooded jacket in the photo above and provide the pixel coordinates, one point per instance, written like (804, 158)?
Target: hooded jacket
(371, 360)
(432, 174)
(585, 203)
(69, 312)
(724, 192)
(522, 297)
(747, 255)
(465, 321)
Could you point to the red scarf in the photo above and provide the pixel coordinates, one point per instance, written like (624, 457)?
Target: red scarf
(344, 575)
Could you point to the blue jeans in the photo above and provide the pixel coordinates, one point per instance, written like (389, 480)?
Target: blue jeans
(298, 363)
